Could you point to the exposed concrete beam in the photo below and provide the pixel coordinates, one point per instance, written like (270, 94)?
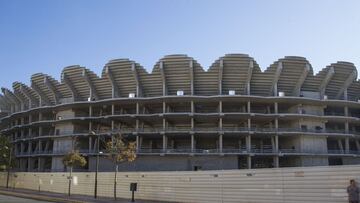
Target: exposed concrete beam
(114, 86)
(326, 81)
(43, 98)
(248, 77)
(300, 82)
(93, 92)
(274, 88)
(28, 95)
(162, 72)
(139, 90)
(221, 70)
(191, 76)
(70, 85)
(52, 89)
(343, 90)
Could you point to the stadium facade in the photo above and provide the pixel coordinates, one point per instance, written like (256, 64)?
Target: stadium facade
(185, 118)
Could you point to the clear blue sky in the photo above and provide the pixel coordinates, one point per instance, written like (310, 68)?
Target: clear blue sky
(48, 35)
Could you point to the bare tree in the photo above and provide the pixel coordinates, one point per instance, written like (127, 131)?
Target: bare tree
(71, 160)
(120, 150)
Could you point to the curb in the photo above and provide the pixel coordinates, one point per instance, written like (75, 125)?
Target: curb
(40, 197)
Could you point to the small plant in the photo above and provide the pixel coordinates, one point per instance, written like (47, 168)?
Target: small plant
(71, 160)
(120, 150)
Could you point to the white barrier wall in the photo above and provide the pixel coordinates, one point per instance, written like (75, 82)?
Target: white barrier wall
(287, 185)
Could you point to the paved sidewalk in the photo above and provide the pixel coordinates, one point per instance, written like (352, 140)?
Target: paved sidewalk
(63, 198)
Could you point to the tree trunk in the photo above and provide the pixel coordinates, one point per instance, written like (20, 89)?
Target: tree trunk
(115, 180)
(70, 179)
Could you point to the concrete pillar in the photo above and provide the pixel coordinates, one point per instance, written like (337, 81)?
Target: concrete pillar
(39, 146)
(39, 164)
(112, 109)
(347, 145)
(221, 143)
(164, 107)
(192, 107)
(90, 143)
(340, 145)
(249, 124)
(90, 111)
(276, 143)
(40, 116)
(249, 162)
(164, 124)
(357, 142)
(40, 131)
(30, 132)
(346, 111)
(192, 143)
(249, 107)
(248, 143)
(29, 147)
(261, 145)
(347, 127)
(220, 107)
(164, 143)
(276, 108)
(220, 124)
(192, 124)
(137, 143)
(276, 161)
(29, 164)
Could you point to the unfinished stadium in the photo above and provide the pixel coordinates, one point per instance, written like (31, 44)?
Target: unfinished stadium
(183, 117)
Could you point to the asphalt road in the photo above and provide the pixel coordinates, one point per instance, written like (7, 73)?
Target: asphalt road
(10, 199)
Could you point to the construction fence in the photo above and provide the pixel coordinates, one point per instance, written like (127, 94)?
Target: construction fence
(277, 185)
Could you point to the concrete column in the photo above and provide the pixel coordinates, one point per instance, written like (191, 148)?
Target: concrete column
(220, 124)
(39, 164)
(29, 147)
(261, 145)
(249, 162)
(192, 124)
(249, 107)
(40, 131)
(192, 142)
(357, 142)
(90, 143)
(112, 109)
(29, 164)
(22, 147)
(249, 124)
(39, 144)
(137, 143)
(164, 107)
(276, 108)
(347, 127)
(220, 143)
(340, 145)
(276, 124)
(248, 143)
(192, 107)
(90, 111)
(276, 143)
(220, 107)
(164, 124)
(164, 143)
(346, 111)
(347, 145)
(30, 132)
(276, 162)
(40, 116)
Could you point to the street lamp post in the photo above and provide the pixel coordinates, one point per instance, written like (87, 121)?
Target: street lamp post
(8, 169)
(98, 152)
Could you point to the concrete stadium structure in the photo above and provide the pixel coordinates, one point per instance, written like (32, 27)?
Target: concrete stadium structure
(185, 118)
